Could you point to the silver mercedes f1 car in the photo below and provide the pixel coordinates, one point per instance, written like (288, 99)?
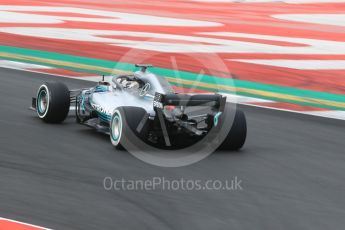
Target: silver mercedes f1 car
(144, 104)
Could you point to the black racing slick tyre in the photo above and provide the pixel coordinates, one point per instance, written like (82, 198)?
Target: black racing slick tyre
(237, 134)
(53, 102)
(125, 119)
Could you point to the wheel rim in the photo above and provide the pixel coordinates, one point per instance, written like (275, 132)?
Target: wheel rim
(42, 101)
(116, 128)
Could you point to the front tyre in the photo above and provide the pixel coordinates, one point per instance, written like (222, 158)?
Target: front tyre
(53, 102)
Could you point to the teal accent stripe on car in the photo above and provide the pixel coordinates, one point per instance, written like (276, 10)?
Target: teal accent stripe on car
(104, 117)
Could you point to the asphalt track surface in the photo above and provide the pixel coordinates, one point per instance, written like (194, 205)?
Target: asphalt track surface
(292, 172)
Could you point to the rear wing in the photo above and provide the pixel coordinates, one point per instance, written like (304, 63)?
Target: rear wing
(216, 101)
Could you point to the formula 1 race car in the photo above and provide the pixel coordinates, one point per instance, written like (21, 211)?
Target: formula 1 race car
(144, 104)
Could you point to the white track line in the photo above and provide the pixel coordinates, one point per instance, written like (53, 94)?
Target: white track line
(331, 114)
(30, 225)
(298, 64)
(273, 1)
(21, 65)
(322, 19)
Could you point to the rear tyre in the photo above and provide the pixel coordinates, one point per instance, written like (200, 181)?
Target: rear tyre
(237, 134)
(53, 102)
(123, 119)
